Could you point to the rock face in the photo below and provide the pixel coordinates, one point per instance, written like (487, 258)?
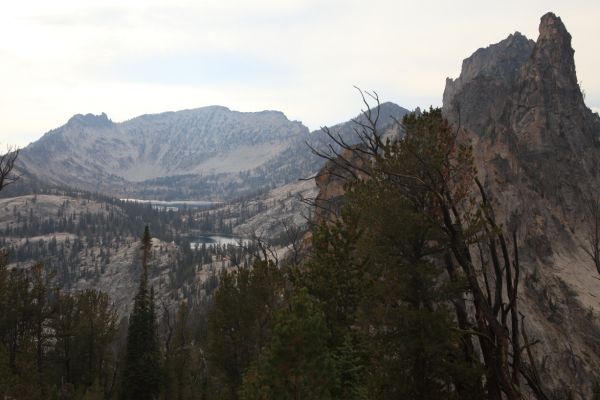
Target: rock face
(493, 69)
(537, 151)
(536, 145)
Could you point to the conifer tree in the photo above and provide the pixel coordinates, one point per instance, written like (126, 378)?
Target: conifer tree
(297, 363)
(184, 367)
(338, 276)
(142, 360)
(239, 323)
(596, 389)
(335, 274)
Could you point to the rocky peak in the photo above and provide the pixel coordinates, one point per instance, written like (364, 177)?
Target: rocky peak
(532, 120)
(536, 150)
(553, 49)
(90, 120)
(534, 83)
(486, 77)
(500, 61)
(547, 107)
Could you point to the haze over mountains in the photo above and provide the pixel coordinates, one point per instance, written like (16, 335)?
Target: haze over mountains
(208, 153)
(518, 103)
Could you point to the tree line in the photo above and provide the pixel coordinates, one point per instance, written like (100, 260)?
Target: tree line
(52, 344)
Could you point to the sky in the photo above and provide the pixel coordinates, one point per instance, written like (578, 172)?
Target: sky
(303, 57)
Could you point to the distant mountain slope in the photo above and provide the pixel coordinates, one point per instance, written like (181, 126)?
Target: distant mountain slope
(93, 153)
(210, 153)
(300, 160)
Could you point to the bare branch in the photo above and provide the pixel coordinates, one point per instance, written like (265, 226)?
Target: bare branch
(7, 165)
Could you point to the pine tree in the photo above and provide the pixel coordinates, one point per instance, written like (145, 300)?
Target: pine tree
(405, 312)
(239, 323)
(336, 274)
(596, 389)
(378, 274)
(297, 363)
(142, 360)
(338, 277)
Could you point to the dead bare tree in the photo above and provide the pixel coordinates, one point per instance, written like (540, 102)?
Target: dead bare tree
(258, 248)
(352, 160)
(7, 165)
(434, 166)
(265, 251)
(166, 316)
(294, 235)
(592, 246)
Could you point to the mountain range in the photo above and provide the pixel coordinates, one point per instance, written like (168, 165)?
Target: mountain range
(209, 153)
(535, 143)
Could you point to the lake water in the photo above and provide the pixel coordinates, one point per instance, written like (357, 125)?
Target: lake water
(211, 240)
(175, 205)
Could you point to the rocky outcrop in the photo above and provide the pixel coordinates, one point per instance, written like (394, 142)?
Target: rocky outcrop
(493, 69)
(331, 183)
(90, 120)
(537, 151)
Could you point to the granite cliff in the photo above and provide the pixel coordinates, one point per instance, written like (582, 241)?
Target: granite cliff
(536, 148)
(537, 151)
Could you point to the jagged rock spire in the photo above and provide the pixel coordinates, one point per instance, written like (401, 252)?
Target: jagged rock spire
(524, 88)
(553, 49)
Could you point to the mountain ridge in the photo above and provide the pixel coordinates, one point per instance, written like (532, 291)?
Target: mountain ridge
(209, 152)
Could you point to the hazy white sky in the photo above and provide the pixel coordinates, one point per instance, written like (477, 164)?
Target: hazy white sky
(127, 58)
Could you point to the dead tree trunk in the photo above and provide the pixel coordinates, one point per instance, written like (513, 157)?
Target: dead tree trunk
(431, 161)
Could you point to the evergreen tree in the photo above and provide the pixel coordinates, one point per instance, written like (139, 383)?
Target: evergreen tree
(239, 323)
(17, 346)
(297, 363)
(142, 360)
(406, 312)
(379, 273)
(336, 274)
(184, 366)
